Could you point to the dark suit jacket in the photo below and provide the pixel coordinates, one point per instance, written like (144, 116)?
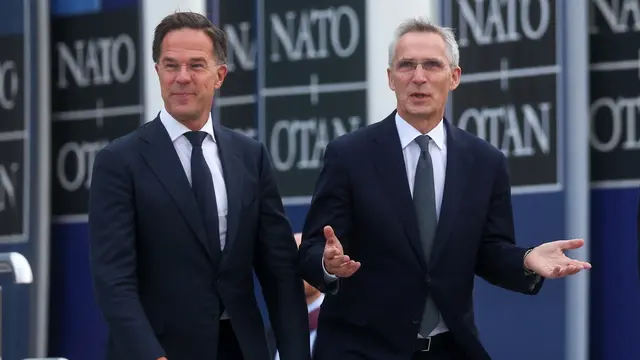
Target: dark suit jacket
(155, 280)
(363, 193)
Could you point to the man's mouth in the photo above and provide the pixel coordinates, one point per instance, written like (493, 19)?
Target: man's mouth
(418, 95)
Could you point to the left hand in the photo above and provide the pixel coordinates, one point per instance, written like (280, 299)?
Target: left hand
(548, 260)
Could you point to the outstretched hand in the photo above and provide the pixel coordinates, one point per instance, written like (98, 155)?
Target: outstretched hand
(549, 261)
(335, 261)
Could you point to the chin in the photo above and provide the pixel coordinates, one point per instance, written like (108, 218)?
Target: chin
(421, 112)
(177, 112)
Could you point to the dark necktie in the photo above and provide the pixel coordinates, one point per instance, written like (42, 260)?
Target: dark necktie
(202, 186)
(313, 319)
(424, 199)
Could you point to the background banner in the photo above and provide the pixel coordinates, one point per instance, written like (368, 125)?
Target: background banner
(96, 82)
(615, 175)
(235, 106)
(312, 85)
(510, 95)
(16, 126)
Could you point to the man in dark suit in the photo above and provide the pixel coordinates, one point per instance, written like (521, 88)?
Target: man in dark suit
(180, 211)
(405, 213)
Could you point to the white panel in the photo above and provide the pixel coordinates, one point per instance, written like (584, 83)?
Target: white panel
(153, 12)
(382, 19)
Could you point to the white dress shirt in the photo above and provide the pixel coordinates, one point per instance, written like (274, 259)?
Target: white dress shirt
(411, 153)
(183, 148)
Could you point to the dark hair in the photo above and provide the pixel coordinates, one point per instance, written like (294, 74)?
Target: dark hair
(190, 20)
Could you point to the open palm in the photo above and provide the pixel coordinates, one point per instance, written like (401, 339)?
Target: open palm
(549, 261)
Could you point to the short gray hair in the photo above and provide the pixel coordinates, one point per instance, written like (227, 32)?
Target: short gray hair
(421, 25)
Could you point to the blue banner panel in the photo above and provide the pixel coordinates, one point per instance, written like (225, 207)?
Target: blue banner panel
(615, 283)
(18, 120)
(97, 95)
(509, 323)
(615, 176)
(510, 95)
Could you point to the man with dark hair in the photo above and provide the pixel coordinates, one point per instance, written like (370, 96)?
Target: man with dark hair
(172, 264)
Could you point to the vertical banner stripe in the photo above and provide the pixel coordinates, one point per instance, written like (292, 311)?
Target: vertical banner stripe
(615, 176)
(573, 19)
(97, 96)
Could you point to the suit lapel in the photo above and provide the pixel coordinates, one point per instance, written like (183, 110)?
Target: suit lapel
(163, 160)
(232, 170)
(389, 161)
(458, 164)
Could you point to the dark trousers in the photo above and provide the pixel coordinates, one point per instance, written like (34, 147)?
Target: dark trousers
(228, 346)
(443, 347)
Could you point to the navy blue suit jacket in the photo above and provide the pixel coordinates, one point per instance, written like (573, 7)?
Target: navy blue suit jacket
(155, 280)
(363, 193)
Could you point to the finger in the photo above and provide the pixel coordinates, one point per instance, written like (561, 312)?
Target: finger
(352, 268)
(569, 270)
(580, 264)
(331, 252)
(348, 269)
(336, 262)
(348, 264)
(330, 235)
(570, 244)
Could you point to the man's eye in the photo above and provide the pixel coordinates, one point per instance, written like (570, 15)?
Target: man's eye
(432, 64)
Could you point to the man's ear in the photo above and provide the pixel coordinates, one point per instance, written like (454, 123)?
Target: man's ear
(222, 74)
(456, 72)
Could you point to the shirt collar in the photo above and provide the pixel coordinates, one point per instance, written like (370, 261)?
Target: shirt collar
(408, 133)
(177, 129)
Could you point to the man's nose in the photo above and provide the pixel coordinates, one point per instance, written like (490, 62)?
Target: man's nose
(420, 75)
(183, 75)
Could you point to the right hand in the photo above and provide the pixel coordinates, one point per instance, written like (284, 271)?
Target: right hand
(335, 261)
(162, 358)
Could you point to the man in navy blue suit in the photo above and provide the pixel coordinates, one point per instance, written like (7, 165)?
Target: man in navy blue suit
(181, 211)
(406, 212)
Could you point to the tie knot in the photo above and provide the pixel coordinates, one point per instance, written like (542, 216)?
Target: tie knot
(195, 137)
(423, 142)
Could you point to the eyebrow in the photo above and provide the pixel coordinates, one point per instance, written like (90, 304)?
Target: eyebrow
(196, 59)
(425, 59)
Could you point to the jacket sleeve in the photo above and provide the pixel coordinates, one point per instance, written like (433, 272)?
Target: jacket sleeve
(330, 205)
(500, 261)
(113, 258)
(276, 268)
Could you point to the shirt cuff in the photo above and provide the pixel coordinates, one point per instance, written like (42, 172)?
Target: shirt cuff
(328, 277)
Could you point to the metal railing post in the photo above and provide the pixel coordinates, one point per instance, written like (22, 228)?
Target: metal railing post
(18, 267)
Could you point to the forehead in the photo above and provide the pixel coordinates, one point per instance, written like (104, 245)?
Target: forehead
(187, 43)
(421, 45)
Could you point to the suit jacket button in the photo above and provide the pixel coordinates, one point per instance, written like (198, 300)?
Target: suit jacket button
(415, 322)
(427, 279)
